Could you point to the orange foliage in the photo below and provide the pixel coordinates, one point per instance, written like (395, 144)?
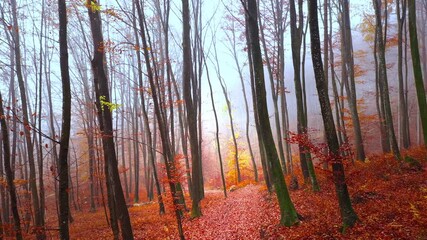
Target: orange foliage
(389, 198)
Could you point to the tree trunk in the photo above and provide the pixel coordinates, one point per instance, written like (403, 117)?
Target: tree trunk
(218, 144)
(403, 108)
(275, 97)
(349, 78)
(348, 215)
(296, 35)
(383, 82)
(174, 185)
(264, 162)
(27, 127)
(190, 102)
(148, 135)
(9, 172)
(230, 115)
(233, 52)
(418, 76)
(64, 208)
(287, 210)
(103, 98)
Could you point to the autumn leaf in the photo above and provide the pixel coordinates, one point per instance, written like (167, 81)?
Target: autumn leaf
(93, 6)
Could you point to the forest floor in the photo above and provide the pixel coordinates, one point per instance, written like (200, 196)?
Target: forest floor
(389, 198)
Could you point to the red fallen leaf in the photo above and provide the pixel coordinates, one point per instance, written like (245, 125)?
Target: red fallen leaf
(46, 145)
(21, 133)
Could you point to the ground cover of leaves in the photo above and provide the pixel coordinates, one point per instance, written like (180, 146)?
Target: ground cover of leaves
(389, 198)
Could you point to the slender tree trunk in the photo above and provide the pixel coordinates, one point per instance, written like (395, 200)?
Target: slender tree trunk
(191, 105)
(349, 79)
(27, 127)
(150, 146)
(160, 116)
(288, 213)
(103, 96)
(385, 144)
(64, 209)
(296, 35)
(9, 172)
(264, 162)
(234, 53)
(403, 108)
(40, 143)
(383, 82)
(275, 97)
(348, 215)
(218, 144)
(230, 115)
(418, 76)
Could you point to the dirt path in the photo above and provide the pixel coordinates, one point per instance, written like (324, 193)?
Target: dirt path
(240, 216)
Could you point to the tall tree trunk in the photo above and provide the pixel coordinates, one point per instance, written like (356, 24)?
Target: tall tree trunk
(39, 119)
(264, 162)
(288, 213)
(403, 108)
(418, 76)
(234, 53)
(348, 215)
(9, 172)
(326, 56)
(218, 144)
(103, 97)
(349, 78)
(230, 115)
(148, 136)
(189, 89)
(64, 208)
(275, 97)
(27, 127)
(385, 144)
(383, 82)
(174, 185)
(296, 35)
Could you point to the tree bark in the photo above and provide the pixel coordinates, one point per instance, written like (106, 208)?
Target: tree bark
(287, 210)
(27, 127)
(403, 108)
(64, 208)
(102, 90)
(9, 172)
(418, 76)
(174, 185)
(348, 215)
(148, 135)
(296, 35)
(383, 82)
(189, 89)
(349, 78)
(230, 115)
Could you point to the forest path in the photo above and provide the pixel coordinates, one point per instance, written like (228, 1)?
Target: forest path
(239, 216)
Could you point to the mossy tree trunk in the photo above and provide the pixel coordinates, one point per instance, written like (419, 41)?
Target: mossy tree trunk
(288, 213)
(348, 215)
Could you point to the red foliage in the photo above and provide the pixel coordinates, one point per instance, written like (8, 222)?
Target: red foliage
(390, 200)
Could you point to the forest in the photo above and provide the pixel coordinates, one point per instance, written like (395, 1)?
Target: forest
(192, 119)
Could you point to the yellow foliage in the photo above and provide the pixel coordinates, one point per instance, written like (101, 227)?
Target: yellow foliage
(111, 106)
(93, 6)
(244, 160)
